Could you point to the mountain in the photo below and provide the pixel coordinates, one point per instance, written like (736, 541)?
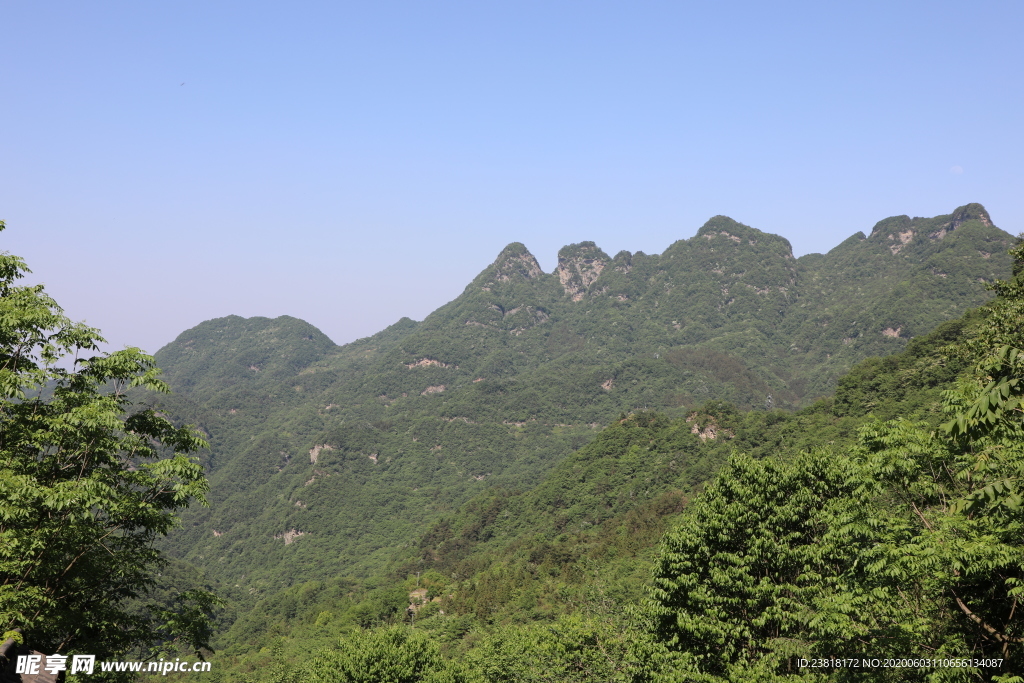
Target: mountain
(520, 565)
(331, 460)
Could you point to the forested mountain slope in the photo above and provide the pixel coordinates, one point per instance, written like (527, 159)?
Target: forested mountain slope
(324, 459)
(537, 583)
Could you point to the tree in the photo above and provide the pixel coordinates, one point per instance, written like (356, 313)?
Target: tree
(86, 485)
(745, 585)
(394, 654)
(575, 648)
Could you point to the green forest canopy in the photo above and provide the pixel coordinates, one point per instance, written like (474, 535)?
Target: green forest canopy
(830, 533)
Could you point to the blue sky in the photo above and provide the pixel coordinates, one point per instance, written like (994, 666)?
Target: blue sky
(352, 163)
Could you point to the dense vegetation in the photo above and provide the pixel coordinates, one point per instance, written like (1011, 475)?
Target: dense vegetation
(481, 496)
(833, 532)
(511, 570)
(520, 538)
(494, 388)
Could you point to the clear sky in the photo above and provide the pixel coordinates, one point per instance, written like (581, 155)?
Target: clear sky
(350, 163)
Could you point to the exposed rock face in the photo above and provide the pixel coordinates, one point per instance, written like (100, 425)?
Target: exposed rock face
(314, 452)
(708, 432)
(890, 226)
(515, 262)
(902, 238)
(579, 265)
(426, 362)
(290, 535)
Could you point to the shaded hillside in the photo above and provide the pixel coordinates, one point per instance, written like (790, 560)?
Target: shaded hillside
(325, 458)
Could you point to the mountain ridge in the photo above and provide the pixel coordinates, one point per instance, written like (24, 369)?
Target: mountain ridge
(496, 386)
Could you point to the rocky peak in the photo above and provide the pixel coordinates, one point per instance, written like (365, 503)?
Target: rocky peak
(514, 262)
(898, 231)
(969, 212)
(891, 225)
(578, 266)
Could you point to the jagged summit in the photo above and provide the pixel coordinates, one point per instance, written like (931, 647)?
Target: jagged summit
(969, 212)
(514, 263)
(947, 223)
(903, 233)
(578, 266)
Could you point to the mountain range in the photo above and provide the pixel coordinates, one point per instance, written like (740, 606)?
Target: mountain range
(330, 460)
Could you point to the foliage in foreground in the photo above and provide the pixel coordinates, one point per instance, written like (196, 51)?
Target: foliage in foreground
(85, 488)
